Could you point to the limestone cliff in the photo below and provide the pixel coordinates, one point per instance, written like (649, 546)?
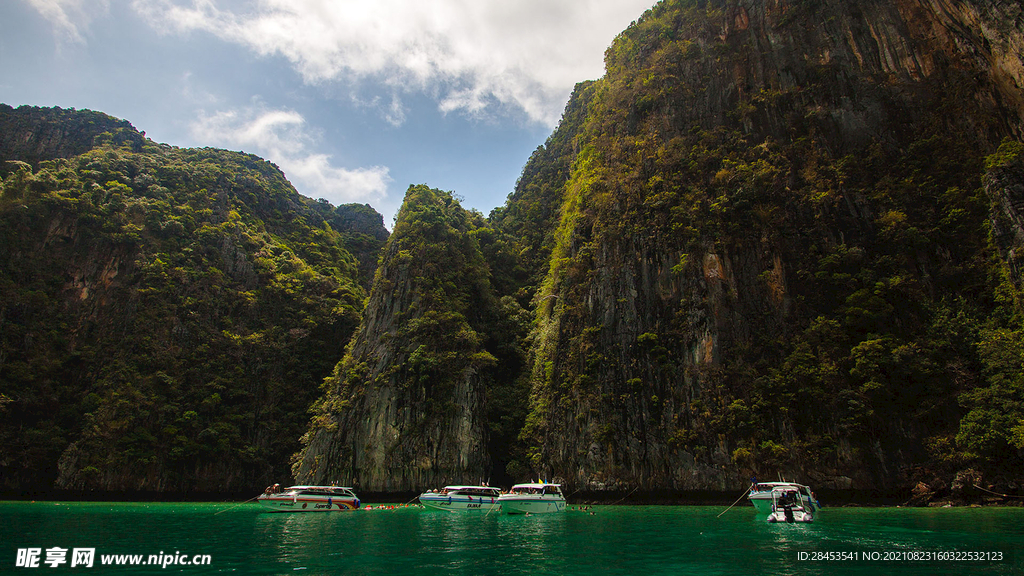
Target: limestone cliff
(530, 216)
(778, 236)
(774, 206)
(405, 409)
(1004, 184)
(165, 314)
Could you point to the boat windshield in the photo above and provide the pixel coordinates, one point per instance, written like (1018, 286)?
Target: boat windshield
(325, 491)
(788, 497)
(545, 489)
(526, 490)
(476, 491)
(769, 487)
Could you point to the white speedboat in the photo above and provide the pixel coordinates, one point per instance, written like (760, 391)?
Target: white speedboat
(533, 498)
(455, 498)
(788, 507)
(308, 499)
(784, 501)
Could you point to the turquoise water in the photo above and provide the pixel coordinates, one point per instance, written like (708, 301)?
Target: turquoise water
(614, 540)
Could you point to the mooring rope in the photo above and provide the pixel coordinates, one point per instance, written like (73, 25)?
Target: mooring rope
(626, 496)
(737, 501)
(997, 493)
(237, 505)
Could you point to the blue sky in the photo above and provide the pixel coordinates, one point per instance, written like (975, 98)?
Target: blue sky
(354, 100)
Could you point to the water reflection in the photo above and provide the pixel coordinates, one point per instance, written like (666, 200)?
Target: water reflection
(646, 540)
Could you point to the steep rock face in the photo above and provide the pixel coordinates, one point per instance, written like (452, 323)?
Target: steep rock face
(405, 409)
(987, 32)
(530, 216)
(1004, 184)
(770, 202)
(165, 314)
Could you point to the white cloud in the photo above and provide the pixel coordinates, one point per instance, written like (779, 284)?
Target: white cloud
(195, 93)
(393, 112)
(473, 54)
(283, 137)
(67, 15)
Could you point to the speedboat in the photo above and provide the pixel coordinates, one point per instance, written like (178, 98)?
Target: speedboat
(533, 498)
(455, 498)
(308, 499)
(787, 506)
(784, 501)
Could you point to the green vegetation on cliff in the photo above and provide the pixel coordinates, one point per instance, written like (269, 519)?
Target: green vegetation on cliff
(777, 237)
(526, 223)
(165, 315)
(774, 254)
(429, 379)
(768, 240)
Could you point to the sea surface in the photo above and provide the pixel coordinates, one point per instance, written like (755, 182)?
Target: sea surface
(627, 540)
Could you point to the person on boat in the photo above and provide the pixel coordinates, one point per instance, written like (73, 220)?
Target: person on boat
(787, 511)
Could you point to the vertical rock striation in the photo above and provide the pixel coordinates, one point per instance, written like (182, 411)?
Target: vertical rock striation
(404, 410)
(1004, 184)
(760, 188)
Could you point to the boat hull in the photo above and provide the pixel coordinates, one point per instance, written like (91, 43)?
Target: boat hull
(794, 517)
(285, 503)
(531, 505)
(459, 503)
(762, 504)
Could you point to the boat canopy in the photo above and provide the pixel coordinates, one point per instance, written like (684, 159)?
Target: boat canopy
(471, 490)
(537, 488)
(770, 486)
(322, 490)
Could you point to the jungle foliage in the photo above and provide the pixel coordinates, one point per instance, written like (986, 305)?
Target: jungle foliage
(165, 314)
(868, 325)
(438, 338)
(734, 256)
